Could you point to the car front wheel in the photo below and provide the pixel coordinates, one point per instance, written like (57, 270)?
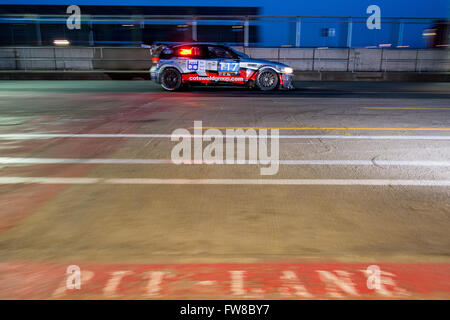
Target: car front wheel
(171, 79)
(267, 80)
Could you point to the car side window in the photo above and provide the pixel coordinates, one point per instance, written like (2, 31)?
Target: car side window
(220, 53)
(166, 53)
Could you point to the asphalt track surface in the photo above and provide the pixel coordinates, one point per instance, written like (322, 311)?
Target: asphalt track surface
(86, 179)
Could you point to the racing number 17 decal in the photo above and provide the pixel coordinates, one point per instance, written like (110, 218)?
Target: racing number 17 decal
(229, 67)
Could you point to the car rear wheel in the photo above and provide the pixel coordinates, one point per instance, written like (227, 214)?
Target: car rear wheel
(267, 80)
(171, 79)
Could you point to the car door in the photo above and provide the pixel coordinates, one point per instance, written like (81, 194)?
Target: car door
(227, 62)
(192, 59)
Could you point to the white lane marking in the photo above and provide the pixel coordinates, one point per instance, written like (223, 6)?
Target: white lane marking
(367, 163)
(294, 182)
(12, 160)
(43, 180)
(33, 136)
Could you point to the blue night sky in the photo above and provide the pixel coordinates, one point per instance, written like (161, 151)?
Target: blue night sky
(390, 8)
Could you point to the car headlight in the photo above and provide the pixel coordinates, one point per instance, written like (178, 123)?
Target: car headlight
(287, 70)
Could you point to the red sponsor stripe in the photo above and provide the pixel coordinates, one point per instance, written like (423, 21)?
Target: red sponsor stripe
(213, 77)
(225, 281)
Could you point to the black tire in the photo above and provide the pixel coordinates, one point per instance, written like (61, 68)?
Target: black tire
(171, 79)
(267, 80)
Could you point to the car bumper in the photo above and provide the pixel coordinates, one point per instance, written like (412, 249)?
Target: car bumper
(154, 75)
(287, 81)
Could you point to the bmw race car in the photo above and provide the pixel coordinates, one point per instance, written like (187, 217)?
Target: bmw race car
(180, 65)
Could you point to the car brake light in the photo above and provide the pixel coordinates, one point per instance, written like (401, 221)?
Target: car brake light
(185, 52)
(155, 59)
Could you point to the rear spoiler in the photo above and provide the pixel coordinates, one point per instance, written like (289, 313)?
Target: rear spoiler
(157, 47)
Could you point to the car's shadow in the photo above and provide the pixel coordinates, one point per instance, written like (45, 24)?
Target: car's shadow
(248, 92)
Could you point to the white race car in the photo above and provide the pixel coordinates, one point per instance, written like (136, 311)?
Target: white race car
(206, 63)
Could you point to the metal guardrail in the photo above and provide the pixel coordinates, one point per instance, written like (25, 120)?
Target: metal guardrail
(203, 17)
(298, 27)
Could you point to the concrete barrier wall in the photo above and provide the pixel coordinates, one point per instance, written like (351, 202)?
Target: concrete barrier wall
(122, 59)
(318, 60)
(68, 58)
(7, 59)
(367, 60)
(299, 59)
(46, 58)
